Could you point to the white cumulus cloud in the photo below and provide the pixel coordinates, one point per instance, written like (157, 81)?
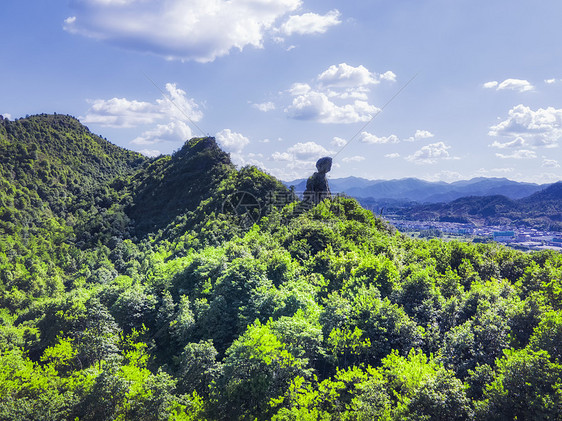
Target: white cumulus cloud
(249, 159)
(281, 156)
(542, 127)
(418, 135)
(520, 154)
(491, 84)
(317, 106)
(172, 132)
(388, 76)
(337, 95)
(430, 154)
(393, 155)
(302, 151)
(356, 158)
(338, 142)
(307, 150)
(299, 159)
(125, 113)
(264, 106)
(519, 85)
(121, 112)
(367, 137)
(150, 152)
(310, 23)
(345, 76)
(423, 134)
(231, 141)
(199, 30)
(299, 89)
(550, 163)
(178, 105)
(171, 116)
(518, 142)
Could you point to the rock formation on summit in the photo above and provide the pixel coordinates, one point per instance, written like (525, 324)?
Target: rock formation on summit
(317, 188)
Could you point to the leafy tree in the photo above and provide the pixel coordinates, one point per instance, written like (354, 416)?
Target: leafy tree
(198, 368)
(525, 387)
(181, 325)
(257, 368)
(419, 297)
(135, 307)
(547, 335)
(422, 389)
(366, 328)
(353, 394)
(98, 338)
(302, 335)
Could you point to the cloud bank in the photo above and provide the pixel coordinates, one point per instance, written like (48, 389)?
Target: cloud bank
(172, 116)
(337, 95)
(430, 154)
(310, 23)
(367, 137)
(199, 30)
(231, 141)
(518, 85)
(524, 126)
(299, 159)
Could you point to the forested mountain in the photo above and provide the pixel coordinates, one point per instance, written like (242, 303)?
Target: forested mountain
(542, 210)
(53, 164)
(181, 288)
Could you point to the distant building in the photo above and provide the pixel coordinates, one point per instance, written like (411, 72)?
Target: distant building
(504, 236)
(556, 242)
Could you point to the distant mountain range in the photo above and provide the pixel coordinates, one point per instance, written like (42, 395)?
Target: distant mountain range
(481, 201)
(409, 190)
(541, 210)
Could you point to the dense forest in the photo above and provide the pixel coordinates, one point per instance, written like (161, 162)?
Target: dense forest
(132, 289)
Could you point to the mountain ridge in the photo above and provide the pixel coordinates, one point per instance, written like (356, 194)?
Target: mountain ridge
(128, 290)
(541, 210)
(102, 192)
(411, 189)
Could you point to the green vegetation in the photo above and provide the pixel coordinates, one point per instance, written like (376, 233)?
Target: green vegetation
(127, 291)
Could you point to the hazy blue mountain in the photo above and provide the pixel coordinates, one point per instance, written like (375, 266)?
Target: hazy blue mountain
(415, 190)
(487, 187)
(552, 193)
(542, 209)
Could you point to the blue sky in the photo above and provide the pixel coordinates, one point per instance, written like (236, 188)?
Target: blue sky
(281, 83)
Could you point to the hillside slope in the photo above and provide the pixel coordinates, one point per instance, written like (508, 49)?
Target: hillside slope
(194, 182)
(58, 160)
(142, 297)
(68, 194)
